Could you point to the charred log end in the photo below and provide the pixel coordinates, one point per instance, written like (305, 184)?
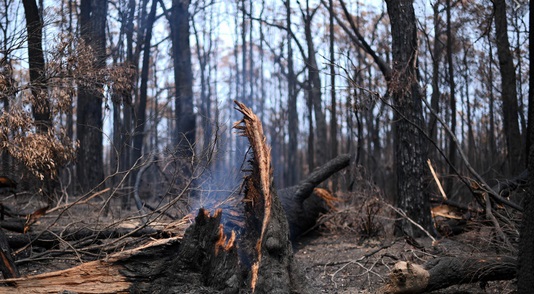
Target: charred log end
(221, 270)
(407, 277)
(206, 248)
(198, 236)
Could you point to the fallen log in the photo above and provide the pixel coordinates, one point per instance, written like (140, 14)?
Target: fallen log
(7, 264)
(13, 225)
(140, 270)
(17, 241)
(49, 239)
(304, 202)
(444, 272)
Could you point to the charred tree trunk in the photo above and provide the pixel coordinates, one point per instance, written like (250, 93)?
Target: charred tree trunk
(184, 138)
(139, 130)
(40, 103)
(38, 81)
(525, 279)
(452, 99)
(293, 117)
(436, 94)
(90, 162)
(333, 102)
(509, 93)
(406, 92)
(266, 232)
(315, 93)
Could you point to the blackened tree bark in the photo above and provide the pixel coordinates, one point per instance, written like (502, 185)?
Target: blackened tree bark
(39, 89)
(90, 166)
(140, 120)
(132, 61)
(321, 154)
(404, 88)
(122, 97)
(293, 123)
(452, 98)
(406, 93)
(509, 92)
(244, 50)
(204, 50)
(333, 114)
(472, 151)
(40, 103)
(491, 131)
(525, 278)
(436, 93)
(183, 79)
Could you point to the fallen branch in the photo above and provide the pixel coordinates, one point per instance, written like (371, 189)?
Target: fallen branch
(304, 203)
(306, 186)
(48, 239)
(436, 179)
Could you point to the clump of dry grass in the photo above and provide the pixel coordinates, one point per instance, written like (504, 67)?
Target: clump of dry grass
(362, 212)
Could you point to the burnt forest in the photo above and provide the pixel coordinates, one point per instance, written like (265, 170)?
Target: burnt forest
(239, 146)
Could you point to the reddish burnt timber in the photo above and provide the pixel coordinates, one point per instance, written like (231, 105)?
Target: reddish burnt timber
(273, 269)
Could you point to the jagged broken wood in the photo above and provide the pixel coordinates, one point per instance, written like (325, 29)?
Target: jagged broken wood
(444, 272)
(266, 232)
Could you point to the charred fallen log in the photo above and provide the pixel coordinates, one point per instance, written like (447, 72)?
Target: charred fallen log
(444, 272)
(147, 269)
(50, 239)
(7, 264)
(304, 202)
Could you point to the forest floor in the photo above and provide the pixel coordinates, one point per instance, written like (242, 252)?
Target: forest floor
(335, 258)
(343, 263)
